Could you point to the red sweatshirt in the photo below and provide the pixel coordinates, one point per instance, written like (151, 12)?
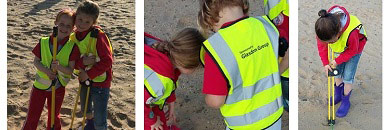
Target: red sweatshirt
(356, 42)
(106, 59)
(161, 64)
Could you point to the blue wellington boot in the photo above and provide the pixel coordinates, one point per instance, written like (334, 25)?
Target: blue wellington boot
(338, 92)
(90, 125)
(345, 105)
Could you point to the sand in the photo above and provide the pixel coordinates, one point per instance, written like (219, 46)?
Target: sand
(29, 20)
(366, 99)
(165, 18)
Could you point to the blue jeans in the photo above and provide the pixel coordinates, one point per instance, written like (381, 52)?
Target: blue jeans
(348, 69)
(99, 98)
(285, 86)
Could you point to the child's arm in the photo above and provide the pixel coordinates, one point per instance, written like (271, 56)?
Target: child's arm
(352, 50)
(40, 67)
(105, 55)
(65, 70)
(323, 52)
(215, 101)
(283, 65)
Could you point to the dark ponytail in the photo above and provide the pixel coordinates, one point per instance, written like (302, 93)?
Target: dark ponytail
(327, 26)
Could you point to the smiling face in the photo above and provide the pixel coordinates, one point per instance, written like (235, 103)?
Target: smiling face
(83, 22)
(65, 26)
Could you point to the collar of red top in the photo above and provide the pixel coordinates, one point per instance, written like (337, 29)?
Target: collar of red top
(62, 42)
(227, 24)
(81, 35)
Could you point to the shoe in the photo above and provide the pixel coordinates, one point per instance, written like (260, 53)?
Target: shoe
(89, 126)
(338, 92)
(345, 105)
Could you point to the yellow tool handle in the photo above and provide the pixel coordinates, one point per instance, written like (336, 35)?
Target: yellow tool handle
(75, 106)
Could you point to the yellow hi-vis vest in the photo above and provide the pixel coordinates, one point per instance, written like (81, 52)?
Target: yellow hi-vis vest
(272, 8)
(42, 81)
(341, 44)
(247, 53)
(88, 47)
(158, 86)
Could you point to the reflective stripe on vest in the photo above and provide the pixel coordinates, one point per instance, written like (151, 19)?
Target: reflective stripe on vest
(254, 99)
(160, 87)
(42, 81)
(341, 44)
(272, 8)
(88, 47)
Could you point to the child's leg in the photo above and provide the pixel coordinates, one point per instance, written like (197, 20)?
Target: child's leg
(35, 107)
(349, 73)
(339, 78)
(60, 92)
(99, 98)
(83, 95)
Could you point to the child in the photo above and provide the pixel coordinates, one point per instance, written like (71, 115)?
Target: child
(278, 12)
(346, 37)
(164, 62)
(241, 75)
(67, 54)
(95, 64)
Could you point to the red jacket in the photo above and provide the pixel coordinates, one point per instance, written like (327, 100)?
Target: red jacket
(161, 64)
(106, 59)
(356, 43)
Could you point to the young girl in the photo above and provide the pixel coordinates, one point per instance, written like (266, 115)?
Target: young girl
(241, 75)
(67, 54)
(346, 37)
(164, 62)
(95, 64)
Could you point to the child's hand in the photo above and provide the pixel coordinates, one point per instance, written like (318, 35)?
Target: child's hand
(158, 125)
(55, 65)
(50, 74)
(83, 75)
(171, 117)
(89, 60)
(333, 64)
(327, 68)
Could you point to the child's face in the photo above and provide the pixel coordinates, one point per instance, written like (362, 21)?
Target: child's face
(83, 22)
(65, 26)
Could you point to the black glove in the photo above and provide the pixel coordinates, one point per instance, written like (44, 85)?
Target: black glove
(283, 46)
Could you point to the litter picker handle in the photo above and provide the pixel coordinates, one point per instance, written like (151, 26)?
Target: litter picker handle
(53, 88)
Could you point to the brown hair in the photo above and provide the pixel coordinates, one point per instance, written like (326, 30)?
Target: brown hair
(66, 11)
(183, 50)
(208, 14)
(90, 8)
(328, 25)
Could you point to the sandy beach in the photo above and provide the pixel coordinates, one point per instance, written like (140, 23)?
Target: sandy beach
(27, 21)
(165, 18)
(366, 99)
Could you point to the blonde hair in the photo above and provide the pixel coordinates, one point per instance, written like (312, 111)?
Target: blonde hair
(208, 14)
(184, 48)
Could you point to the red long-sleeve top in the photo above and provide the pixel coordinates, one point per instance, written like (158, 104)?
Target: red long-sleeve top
(105, 55)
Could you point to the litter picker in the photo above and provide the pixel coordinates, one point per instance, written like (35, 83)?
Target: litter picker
(331, 74)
